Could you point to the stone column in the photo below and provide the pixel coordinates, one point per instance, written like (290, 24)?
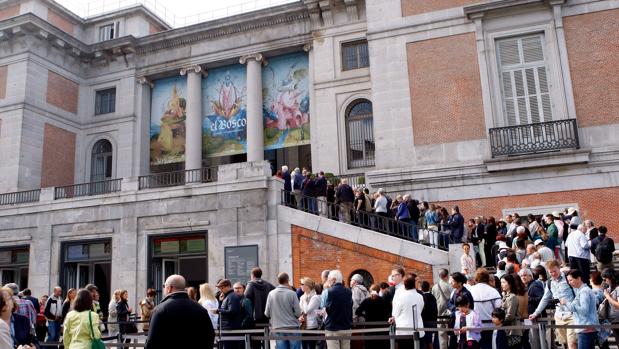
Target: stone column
(312, 106)
(193, 121)
(141, 165)
(255, 124)
(557, 11)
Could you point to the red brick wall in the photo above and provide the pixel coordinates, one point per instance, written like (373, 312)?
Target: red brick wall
(3, 73)
(445, 87)
(62, 92)
(313, 252)
(599, 205)
(61, 22)
(8, 12)
(415, 7)
(153, 29)
(593, 52)
(58, 157)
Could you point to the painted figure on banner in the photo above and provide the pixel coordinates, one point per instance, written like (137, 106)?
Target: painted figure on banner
(286, 101)
(167, 130)
(224, 126)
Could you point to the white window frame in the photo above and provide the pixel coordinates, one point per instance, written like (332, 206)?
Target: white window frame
(558, 103)
(108, 31)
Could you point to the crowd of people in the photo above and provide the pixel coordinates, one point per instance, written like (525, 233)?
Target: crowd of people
(512, 272)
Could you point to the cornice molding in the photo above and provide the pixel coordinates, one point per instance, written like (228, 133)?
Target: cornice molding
(143, 80)
(149, 45)
(474, 10)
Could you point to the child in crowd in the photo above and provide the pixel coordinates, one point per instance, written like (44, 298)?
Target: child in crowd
(467, 325)
(499, 337)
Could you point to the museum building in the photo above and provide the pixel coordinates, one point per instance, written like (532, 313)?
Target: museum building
(132, 149)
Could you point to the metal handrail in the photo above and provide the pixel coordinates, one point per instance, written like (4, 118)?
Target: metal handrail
(88, 189)
(363, 219)
(533, 138)
(20, 197)
(174, 178)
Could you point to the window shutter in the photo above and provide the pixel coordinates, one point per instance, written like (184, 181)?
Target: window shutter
(524, 82)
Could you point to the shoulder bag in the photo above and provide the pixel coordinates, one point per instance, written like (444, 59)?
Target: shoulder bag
(96, 343)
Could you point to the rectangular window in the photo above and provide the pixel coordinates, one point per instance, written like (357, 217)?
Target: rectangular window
(105, 101)
(108, 32)
(524, 80)
(355, 55)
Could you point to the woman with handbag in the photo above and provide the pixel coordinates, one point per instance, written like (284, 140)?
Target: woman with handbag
(81, 326)
(123, 310)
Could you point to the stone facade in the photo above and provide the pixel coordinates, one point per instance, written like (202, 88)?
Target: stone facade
(432, 75)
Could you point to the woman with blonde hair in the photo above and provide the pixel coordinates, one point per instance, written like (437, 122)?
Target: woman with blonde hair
(68, 302)
(309, 302)
(209, 302)
(112, 318)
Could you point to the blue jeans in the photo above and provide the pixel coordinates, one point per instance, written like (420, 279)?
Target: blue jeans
(414, 233)
(53, 331)
(587, 340)
(285, 343)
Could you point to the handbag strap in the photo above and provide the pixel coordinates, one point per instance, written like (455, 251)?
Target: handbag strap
(92, 332)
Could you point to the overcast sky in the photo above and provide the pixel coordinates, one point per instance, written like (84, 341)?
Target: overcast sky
(180, 8)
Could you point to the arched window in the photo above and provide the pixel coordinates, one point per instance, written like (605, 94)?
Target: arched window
(101, 163)
(360, 134)
(368, 279)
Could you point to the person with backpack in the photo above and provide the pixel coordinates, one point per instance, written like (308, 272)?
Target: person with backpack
(604, 249)
(247, 310)
(557, 288)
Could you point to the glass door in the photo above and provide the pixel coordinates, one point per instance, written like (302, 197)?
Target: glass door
(170, 267)
(83, 275)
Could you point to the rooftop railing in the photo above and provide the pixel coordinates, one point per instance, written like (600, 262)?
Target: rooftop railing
(87, 189)
(170, 179)
(20, 197)
(534, 138)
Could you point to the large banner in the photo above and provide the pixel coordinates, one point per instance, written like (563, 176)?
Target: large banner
(223, 103)
(285, 90)
(167, 123)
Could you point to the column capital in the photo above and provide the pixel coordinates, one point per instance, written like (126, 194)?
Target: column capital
(196, 68)
(258, 57)
(308, 47)
(143, 80)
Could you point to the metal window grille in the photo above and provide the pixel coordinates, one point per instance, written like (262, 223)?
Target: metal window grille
(355, 55)
(105, 101)
(360, 134)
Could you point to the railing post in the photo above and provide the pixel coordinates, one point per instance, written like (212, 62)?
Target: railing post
(267, 341)
(247, 341)
(542, 335)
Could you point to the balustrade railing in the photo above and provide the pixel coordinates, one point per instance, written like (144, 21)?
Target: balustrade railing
(534, 138)
(20, 197)
(87, 189)
(170, 179)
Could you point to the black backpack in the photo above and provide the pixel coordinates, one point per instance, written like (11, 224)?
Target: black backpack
(604, 251)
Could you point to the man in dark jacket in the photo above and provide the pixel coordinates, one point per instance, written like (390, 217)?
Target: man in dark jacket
(429, 314)
(321, 193)
(338, 305)
(179, 322)
(230, 312)
(257, 292)
(457, 224)
(535, 292)
(345, 197)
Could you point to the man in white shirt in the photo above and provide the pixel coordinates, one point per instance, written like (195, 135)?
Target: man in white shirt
(486, 298)
(578, 252)
(545, 253)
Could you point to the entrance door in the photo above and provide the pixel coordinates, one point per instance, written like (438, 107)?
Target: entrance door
(8, 276)
(102, 278)
(83, 275)
(170, 267)
(193, 269)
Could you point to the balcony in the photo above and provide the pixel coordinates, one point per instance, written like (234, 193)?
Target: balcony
(20, 197)
(541, 137)
(87, 189)
(169, 179)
